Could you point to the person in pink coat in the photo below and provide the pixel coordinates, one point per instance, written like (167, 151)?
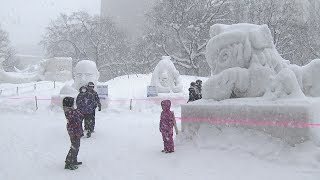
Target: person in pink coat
(167, 122)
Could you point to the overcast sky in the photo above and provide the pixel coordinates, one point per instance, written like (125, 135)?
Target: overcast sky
(25, 20)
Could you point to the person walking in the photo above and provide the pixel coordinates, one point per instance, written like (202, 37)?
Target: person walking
(93, 104)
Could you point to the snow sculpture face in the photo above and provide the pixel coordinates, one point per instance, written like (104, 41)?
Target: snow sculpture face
(234, 46)
(166, 77)
(242, 58)
(85, 71)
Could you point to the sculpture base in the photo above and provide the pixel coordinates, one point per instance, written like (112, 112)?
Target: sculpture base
(290, 120)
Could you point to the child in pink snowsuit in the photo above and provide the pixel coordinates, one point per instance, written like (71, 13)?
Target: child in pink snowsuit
(167, 122)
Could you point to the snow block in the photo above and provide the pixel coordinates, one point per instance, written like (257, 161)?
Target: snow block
(288, 120)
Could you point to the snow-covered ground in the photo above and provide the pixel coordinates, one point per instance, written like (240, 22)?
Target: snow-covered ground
(127, 143)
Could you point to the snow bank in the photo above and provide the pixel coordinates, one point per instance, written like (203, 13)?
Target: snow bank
(16, 78)
(57, 69)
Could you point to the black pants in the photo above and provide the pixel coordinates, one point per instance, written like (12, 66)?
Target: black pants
(89, 121)
(74, 150)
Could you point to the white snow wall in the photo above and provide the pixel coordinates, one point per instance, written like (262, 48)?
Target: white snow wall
(268, 117)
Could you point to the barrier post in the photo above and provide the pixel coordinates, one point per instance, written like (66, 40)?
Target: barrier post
(36, 100)
(130, 104)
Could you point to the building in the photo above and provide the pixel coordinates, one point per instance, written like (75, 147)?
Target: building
(129, 14)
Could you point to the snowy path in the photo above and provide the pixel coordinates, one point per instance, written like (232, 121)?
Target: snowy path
(126, 145)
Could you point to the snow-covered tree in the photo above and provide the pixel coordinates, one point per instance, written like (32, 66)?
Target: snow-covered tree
(311, 39)
(82, 36)
(183, 27)
(285, 18)
(6, 51)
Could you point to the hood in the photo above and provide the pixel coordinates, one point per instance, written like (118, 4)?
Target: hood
(166, 104)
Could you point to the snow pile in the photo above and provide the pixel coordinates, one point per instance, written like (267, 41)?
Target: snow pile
(57, 69)
(166, 77)
(54, 69)
(12, 77)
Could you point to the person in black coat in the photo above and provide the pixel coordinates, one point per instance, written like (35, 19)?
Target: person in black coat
(94, 104)
(199, 89)
(192, 92)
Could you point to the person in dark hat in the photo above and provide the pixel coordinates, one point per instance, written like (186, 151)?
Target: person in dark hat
(94, 103)
(198, 88)
(192, 92)
(75, 131)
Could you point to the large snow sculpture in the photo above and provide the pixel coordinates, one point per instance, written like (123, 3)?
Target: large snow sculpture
(243, 59)
(166, 77)
(17, 78)
(85, 71)
(255, 83)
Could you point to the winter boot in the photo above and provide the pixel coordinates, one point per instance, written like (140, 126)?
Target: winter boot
(169, 151)
(78, 163)
(70, 167)
(88, 134)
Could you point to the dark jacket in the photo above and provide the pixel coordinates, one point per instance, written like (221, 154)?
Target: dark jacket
(88, 101)
(199, 91)
(96, 98)
(74, 124)
(192, 94)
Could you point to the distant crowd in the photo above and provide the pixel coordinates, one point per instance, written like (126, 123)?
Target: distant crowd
(195, 90)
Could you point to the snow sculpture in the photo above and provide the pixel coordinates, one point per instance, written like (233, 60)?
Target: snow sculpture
(57, 69)
(245, 63)
(243, 60)
(166, 77)
(84, 72)
(17, 78)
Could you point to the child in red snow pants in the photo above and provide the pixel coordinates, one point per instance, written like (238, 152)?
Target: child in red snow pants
(167, 122)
